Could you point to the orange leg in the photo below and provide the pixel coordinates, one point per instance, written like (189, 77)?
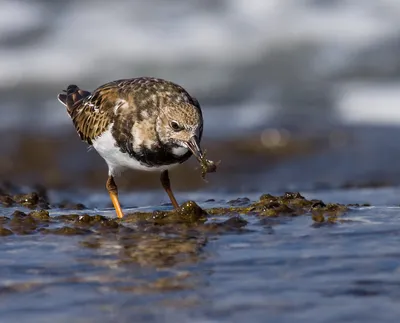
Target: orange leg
(165, 182)
(113, 191)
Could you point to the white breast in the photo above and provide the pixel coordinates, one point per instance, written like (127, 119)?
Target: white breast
(116, 160)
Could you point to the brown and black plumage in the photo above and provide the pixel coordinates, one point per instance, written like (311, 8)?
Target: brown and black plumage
(141, 123)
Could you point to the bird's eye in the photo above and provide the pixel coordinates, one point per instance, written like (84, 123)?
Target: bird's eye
(175, 126)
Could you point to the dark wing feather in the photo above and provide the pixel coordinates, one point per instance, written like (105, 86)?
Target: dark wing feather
(91, 113)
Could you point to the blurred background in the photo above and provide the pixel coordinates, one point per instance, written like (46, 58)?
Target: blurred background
(296, 94)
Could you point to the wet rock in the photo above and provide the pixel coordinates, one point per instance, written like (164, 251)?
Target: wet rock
(240, 201)
(66, 231)
(22, 223)
(272, 205)
(188, 213)
(19, 214)
(3, 220)
(90, 219)
(10, 195)
(289, 199)
(92, 223)
(188, 222)
(295, 200)
(68, 205)
(267, 197)
(40, 215)
(317, 204)
(287, 204)
(291, 203)
(273, 209)
(27, 200)
(293, 195)
(216, 211)
(328, 214)
(179, 220)
(5, 232)
(41, 192)
(332, 209)
(191, 211)
(98, 222)
(6, 200)
(67, 217)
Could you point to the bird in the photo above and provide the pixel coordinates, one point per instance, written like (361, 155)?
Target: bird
(142, 123)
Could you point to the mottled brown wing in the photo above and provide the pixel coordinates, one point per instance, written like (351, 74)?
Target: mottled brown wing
(93, 114)
(149, 92)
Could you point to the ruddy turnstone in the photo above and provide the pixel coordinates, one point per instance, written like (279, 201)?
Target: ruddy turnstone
(142, 123)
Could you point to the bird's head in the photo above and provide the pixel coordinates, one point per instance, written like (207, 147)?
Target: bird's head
(181, 127)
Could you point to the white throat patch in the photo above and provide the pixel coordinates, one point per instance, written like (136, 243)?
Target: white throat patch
(179, 151)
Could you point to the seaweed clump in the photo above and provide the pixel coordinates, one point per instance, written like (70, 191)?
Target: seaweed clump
(22, 223)
(289, 204)
(187, 217)
(32, 200)
(188, 213)
(207, 166)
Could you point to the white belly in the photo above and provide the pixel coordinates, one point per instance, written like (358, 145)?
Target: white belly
(118, 161)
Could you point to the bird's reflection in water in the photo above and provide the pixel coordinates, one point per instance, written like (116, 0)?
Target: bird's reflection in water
(148, 259)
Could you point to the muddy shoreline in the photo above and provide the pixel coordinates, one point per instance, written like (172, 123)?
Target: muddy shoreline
(63, 162)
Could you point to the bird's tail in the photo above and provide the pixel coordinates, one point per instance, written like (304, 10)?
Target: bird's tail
(72, 96)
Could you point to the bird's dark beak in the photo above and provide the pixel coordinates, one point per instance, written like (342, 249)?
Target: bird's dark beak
(193, 145)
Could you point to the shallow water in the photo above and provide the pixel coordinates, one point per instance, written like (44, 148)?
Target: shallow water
(280, 269)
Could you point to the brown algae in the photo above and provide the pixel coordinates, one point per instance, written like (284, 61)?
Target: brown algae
(188, 215)
(30, 200)
(188, 212)
(207, 166)
(292, 204)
